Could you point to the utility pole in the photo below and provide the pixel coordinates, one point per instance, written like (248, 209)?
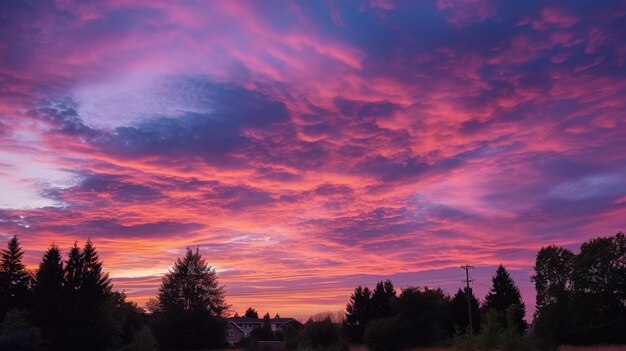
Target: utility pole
(467, 293)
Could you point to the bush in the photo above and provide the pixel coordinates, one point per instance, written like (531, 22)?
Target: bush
(144, 340)
(463, 341)
(18, 332)
(384, 335)
(320, 334)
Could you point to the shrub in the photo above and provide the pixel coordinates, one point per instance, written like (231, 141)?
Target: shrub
(384, 335)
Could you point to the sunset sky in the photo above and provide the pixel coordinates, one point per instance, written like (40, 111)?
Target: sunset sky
(309, 147)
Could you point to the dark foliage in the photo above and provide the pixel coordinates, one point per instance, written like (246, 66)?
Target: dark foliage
(18, 333)
(264, 333)
(251, 313)
(502, 295)
(67, 307)
(49, 296)
(14, 279)
(382, 299)
(581, 299)
(320, 334)
(426, 313)
(358, 313)
(191, 306)
(386, 334)
(459, 313)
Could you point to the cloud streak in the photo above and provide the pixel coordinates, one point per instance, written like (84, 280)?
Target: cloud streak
(310, 147)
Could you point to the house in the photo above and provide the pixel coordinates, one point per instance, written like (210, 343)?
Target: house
(240, 327)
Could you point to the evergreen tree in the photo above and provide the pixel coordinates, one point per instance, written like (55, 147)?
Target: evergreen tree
(265, 332)
(358, 313)
(503, 294)
(424, 315)
(89, 304)
(191, 306)
(192, 286)
(251, 313)
(382, 297)
(14, 279)
(48, 295)
(94, 283)
(459, 312)
(74, 270)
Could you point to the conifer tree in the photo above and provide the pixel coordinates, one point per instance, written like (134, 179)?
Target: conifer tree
(251, 313)
(382, 296)
(459, 312)
(192, 286)
(74, 269)
(93, 282)
(502, 295)
(191, 305)
(358, 313)
(14, 279)
(49, 278)
(48, 294)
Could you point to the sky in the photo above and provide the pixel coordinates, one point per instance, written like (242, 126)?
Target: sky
(309, 147)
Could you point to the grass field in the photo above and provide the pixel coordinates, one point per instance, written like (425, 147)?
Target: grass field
(562, 348)
(593, 348)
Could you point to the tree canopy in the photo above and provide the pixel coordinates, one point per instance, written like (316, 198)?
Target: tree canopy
(14, 279)
(459, 312)
(358, 313)
(192, 285)
(502, 295)
(581, 299)
(251, 313)
(191, 305)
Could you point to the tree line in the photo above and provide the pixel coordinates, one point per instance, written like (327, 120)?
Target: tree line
(69, 304)
(382, 319)
(581, 300)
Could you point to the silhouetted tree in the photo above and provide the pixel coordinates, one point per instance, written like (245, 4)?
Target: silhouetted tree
(386, 334)
(94, 283)
(552, 278)
(74, 270)
(192, 285)
(264, 333)
(581, 299)
(251, 313)
(192, 305)
(14, 279)
(382, 297)
(276, 316)
(320, 334)
(48, 296)
(358, 313)
(598, 305)
(459, 313)
(89, 317)
(503, 294)
(425, 315)
(144, 340)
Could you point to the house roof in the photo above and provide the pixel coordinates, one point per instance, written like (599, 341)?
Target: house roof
(236, 326)
(259, 320)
